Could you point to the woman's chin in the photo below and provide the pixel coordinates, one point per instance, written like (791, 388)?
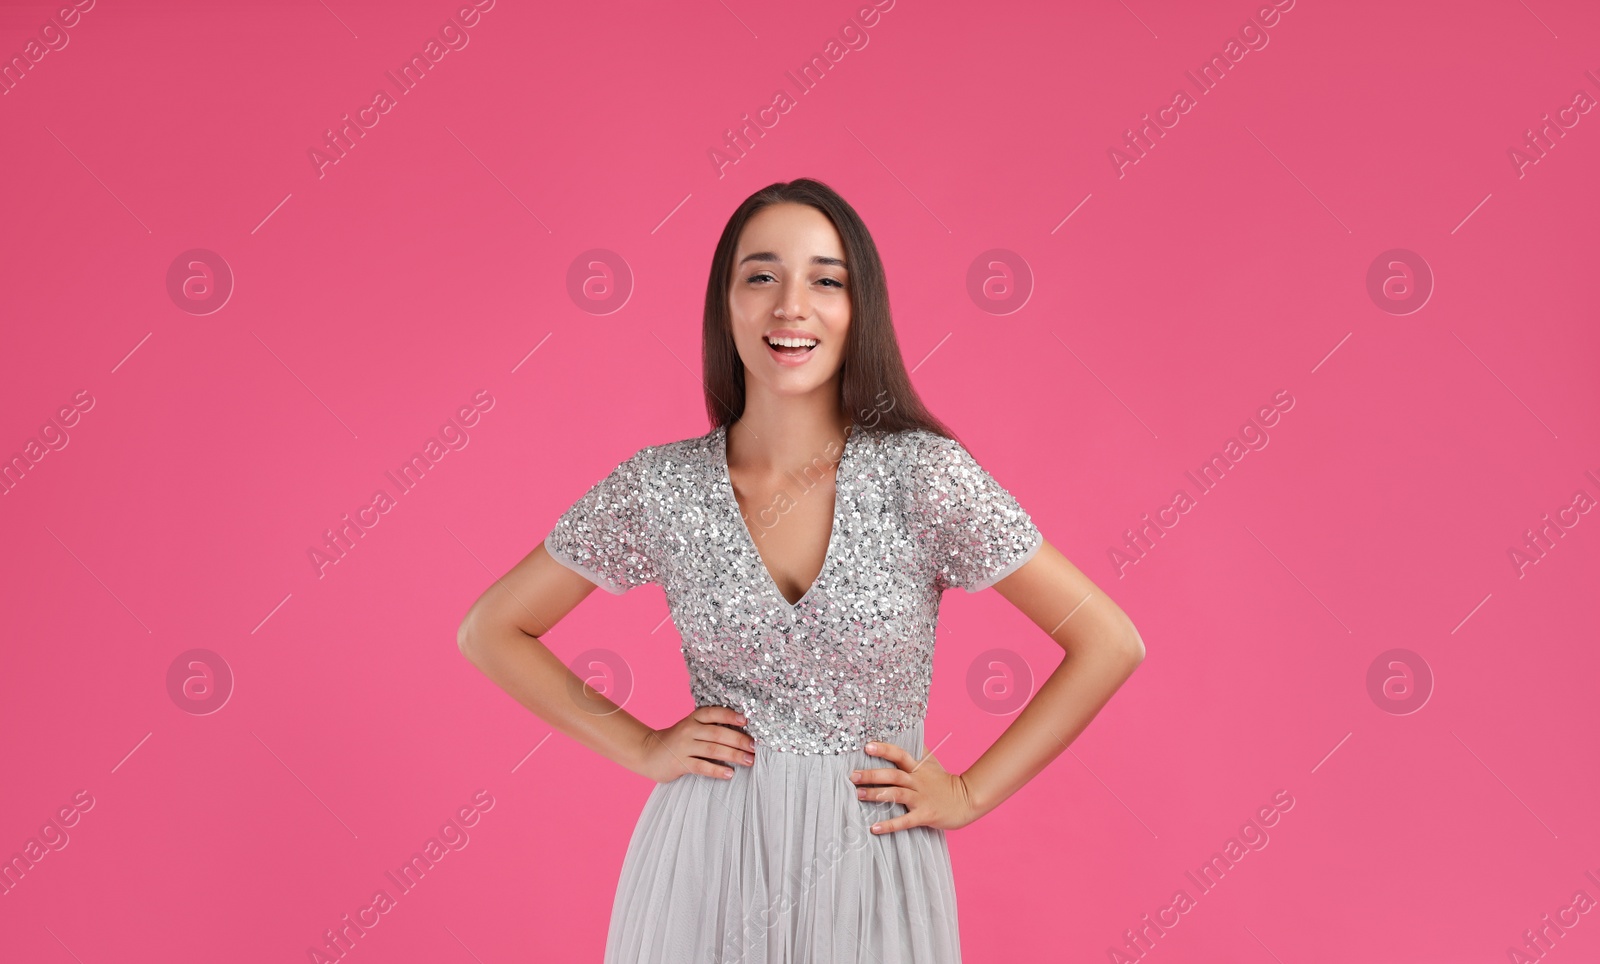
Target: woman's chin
(792, 381)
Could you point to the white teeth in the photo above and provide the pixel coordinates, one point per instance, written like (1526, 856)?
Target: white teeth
(792, 342)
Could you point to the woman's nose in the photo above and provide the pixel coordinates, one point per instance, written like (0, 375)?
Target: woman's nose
(795, 300)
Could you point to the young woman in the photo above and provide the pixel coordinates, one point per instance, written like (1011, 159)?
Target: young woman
(803, 544)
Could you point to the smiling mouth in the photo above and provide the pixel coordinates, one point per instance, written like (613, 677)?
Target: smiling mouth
(791, 346)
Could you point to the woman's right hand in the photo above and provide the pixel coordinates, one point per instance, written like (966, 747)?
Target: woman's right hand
(691, 744)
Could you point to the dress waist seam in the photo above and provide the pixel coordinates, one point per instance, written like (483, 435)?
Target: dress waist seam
(900, 735)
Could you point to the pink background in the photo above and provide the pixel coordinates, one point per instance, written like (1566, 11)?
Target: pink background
(371, 303)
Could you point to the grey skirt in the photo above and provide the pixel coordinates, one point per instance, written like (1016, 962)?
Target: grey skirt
(777, 866)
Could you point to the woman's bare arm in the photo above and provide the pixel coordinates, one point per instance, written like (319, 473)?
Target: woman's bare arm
(500, 635)
(1102, 650)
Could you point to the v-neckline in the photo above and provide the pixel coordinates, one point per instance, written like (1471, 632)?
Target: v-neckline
(721, 446)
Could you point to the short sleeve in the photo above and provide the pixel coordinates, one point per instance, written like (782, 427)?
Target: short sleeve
(606, 535)
(970, 529)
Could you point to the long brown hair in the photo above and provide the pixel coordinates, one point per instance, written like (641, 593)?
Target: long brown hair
(876, 391)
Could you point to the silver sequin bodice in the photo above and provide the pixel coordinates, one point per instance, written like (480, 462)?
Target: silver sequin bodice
(914, 515)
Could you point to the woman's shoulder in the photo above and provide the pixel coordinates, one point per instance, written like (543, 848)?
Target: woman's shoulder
(913, 449)
(677, 455)
(922, 459)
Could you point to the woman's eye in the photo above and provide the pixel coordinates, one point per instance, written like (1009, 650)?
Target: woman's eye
(764, 276)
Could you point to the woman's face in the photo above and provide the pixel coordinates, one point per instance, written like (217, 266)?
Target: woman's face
(789, 283)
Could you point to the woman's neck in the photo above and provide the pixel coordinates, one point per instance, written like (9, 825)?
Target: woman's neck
(782, 434)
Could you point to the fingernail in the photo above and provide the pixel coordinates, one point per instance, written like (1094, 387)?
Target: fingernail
(855, 774)
(877, 827)
(743, 720)
(872, 747)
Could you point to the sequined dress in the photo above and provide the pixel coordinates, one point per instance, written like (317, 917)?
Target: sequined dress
(777, 864)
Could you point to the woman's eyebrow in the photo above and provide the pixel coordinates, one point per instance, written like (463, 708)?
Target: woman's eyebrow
(773, 257)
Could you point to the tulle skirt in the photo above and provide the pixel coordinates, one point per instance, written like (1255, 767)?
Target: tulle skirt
(777, 866)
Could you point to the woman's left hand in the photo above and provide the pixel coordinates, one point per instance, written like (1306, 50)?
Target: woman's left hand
(933, 796)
